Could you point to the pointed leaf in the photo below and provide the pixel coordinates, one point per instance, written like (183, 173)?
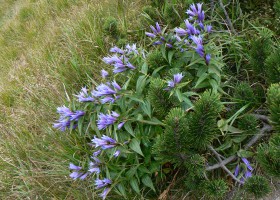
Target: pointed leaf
(147, 181)
(135, 146)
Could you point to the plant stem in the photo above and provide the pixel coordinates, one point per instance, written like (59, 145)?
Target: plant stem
(221, 163)
(227, 17)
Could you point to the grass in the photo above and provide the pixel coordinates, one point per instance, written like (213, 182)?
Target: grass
(49, 48)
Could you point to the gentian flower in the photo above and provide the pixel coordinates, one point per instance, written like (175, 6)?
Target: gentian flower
(116, 49)
(176, 79)
(105, 142)
(131, 49)
(104, 73)
(106, 120)
(77, 174)
(247, 163)
(76, 115)
(180, 31)
(117, 153)
(94, 167)
(150, 35)
(83, 96)
(196, 12)
(104, 193)
(207, 59)
(102, 183)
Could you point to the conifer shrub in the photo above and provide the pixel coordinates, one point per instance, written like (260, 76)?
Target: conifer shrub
(273, 101)
(272, 67)
(215, 189)
(268, 155)
(258, 186)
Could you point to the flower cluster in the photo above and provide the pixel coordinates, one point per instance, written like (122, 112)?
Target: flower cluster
(159, 36)
(106, 120)
(107, 92)
(120, 60)
(66, 117)
(246, 173)
(194, 31)
(176, 79)
(83, 96)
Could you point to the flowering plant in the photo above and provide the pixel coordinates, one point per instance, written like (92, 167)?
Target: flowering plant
(145, 122)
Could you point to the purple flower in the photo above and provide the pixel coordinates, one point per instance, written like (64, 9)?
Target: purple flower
(117, 153)
(157, 43)
(131, 49)
(64, 111)
(247, 163)
(191, 29)
(104, 193)
(120, 125)
(199, 45)
(209, 28)
(94, 167)
(158, 28)
(83, 96)
(116, 49)
(74, 167)
(62, 124)
(207, 59)
(74, 175)
(116, 85)
(236, 172)
(96, 153)
(84, 176)
(106, 120)
(176, 79)
(180, 32)
(75, 116)
(105, 142)
(169, 45)
(196, 12)
(248, 174)
(102, 183)
(150, 34)
(103, 90)
(104, 73)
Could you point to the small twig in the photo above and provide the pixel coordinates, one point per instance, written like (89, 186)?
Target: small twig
(264, 129)
(253, 140)
(261, 117)
(227, 17)
(163, 195)
(222, 165)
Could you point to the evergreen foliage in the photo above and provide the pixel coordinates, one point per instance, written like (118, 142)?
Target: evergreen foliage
(272, 67)
(155, 60)
(258, 186)
(248, 124)
(260, 50)
(243, 95)
(268, 155)
(215, 189)
(195, 166)
(160, 98)
(172, 144)
(203, 121)
(273, 101)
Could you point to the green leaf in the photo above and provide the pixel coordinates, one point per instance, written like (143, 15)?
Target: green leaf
(147, 181)
(131, 172)
(244, 154)
(179, 95)
(134, 184)
(157, 70)
(121, 189)
(239, 139)
(140, 85)
(129, 129)
(144, 68)
(163, 51)
(146, 107)
(135, 146)
(201, 79)
(170, 56)
(227, 144)
(136, 98)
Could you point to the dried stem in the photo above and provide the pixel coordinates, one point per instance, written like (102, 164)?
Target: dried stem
(227, 17)
(222, 165)
(265, 128)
